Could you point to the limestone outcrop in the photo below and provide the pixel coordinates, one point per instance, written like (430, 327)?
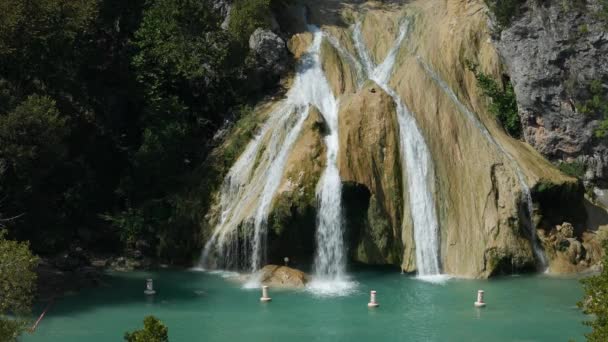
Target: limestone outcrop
(553, 53)
(570, 253)
(269, 52)
(282, 277)
(483, 179)
(369, 145)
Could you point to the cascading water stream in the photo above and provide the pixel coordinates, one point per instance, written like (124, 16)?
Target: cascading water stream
(538, 251)
(415, 157)
(330, 259)
(247, 192)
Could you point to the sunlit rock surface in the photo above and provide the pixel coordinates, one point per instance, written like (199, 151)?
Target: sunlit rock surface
(480, 172)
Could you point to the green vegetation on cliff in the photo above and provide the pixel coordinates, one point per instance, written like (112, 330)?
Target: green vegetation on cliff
(503, 103)
(504, 10)
(595, 302)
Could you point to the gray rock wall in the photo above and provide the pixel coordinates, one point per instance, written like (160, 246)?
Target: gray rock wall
(553, 51)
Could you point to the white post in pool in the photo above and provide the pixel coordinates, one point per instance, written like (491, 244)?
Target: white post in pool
(480, 303)
(265, 297)
(149, 287)
(372, 300)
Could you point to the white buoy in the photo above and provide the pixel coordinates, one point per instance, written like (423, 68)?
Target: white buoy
(149, 287)
(372, 300)
(286, 261)
(480, 303)
(265, 297)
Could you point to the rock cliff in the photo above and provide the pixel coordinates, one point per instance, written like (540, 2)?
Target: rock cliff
(498, 199)
(554, 51)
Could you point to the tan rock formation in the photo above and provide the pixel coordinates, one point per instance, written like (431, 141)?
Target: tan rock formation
(478, 192)
(369, 155)
(282, 277)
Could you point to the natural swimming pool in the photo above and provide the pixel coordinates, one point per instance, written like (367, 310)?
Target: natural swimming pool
(200, 306)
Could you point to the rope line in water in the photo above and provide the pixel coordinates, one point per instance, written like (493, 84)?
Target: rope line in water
(33, 328)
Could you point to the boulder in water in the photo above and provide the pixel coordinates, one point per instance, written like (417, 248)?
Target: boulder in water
(282, 277)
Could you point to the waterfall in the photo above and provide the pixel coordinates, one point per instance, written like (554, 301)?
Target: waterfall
(330, 260)
(416, 158)
(239, 239)
(527, 195)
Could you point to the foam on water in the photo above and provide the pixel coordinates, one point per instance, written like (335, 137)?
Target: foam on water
(332, 287)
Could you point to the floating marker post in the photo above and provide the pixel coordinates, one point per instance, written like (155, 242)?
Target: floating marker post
(480, 303)
(149, 287)
(372, 300)
(265, 297)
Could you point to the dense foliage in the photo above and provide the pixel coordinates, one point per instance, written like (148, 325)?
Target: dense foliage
(154, 331)
(503, 103)
(108, 110)
(17, 285)
(595, 302)
(504, 10)
(596, 105)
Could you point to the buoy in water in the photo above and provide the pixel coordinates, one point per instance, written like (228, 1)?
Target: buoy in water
(265, 297)
(372, 300)
(480, 303)
(149, 287)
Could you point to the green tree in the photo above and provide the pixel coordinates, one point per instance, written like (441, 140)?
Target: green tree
(17, 286)
(154, 331)
(595, 302)
(248, 15)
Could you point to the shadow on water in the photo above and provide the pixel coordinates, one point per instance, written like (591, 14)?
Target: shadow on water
(116, 289)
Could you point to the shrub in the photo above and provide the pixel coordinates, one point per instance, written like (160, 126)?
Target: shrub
(18, 283)
(595, 302)
(503, 101)
(248, 15)
(154, 331)
(574, 169)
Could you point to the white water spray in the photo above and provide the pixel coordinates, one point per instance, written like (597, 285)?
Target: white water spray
(527, 195)
(415, 157)
(330, 259)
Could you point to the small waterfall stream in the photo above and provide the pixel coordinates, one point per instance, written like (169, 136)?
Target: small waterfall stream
(239, 239)
(416, 158)
(526, 193)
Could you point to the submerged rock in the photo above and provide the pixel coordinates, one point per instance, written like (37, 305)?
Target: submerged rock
(282, 277)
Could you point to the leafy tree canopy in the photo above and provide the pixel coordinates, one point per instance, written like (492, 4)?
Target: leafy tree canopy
(154, 331)
(17, 285)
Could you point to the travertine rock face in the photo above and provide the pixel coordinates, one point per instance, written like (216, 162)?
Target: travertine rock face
(553, 52)
(292, 220)
(481, 174)
(369, 156)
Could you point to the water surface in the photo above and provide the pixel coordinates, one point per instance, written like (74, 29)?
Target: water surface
(205, 307)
